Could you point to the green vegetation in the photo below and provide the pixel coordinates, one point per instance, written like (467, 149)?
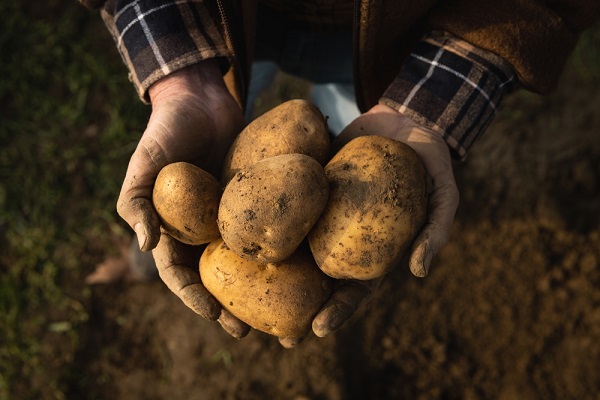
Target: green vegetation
(69, 122)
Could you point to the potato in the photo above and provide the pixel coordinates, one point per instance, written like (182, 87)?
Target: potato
(268, 208)
(377, 205)
(277, 298)
(296, 126)
(186, 199)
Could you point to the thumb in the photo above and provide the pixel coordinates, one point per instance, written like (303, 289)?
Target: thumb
(139, 214)
(443, 203)
(135, 199)
(347, 298)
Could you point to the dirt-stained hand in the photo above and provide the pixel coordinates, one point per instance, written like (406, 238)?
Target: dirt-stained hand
(193, 119)
(350, 295)
(435, 154)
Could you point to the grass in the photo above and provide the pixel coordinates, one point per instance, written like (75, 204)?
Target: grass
(68, 124)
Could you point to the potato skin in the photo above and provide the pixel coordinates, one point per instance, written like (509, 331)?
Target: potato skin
(280, 299)
(295, 126)
(267, 209)
(186, 199)
(377, 205)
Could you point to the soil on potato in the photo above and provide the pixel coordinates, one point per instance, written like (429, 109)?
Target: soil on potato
(510, 309)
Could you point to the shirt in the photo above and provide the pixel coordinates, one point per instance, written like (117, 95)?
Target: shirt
(446, 84)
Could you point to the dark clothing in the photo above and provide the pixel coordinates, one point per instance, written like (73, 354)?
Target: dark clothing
(446, 64)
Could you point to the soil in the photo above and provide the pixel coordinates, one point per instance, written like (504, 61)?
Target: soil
(510, 309)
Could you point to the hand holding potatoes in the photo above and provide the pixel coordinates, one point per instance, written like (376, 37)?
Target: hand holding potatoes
(194, 119)
(277, 199)
(359, 225)
(376, 201)
(360, 213)
(434, 152)
(377, 205)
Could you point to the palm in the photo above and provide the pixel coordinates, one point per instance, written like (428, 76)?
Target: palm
(186, 128)
(381, 120)
(434, 153)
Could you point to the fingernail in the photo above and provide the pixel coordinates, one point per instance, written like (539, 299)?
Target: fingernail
(420, 260)
(421, 269)
(417, 269)
(141, 236)
(320, 329)
(335, 318)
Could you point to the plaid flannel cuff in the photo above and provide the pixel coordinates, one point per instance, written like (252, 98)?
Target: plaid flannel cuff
(451, 88)
(157, 37)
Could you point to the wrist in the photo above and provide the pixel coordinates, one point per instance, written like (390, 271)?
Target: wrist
(398, 126)
(203, 79)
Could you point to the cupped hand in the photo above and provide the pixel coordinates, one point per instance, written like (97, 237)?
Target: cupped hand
(348, 296)
(435, 154)
(382, 120)
(193, 119)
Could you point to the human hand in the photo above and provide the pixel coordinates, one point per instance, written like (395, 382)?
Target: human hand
(177, 264)
(350, 295)
(193, 119)
(433, 151)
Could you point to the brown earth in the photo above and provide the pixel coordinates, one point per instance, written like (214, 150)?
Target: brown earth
(510, 310)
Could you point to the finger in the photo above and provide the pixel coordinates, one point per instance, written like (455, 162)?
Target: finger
(443, 202)
(344, 302)
(290, 343)
(135, 200)
(140, 215)
(177, 266)
(233, 325)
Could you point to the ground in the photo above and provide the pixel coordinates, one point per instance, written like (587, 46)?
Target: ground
(511, 308)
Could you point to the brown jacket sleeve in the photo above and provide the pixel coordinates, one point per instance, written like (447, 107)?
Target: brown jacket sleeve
(536, 37)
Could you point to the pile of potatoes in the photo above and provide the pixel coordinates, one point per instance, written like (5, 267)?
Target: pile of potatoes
(285, 221)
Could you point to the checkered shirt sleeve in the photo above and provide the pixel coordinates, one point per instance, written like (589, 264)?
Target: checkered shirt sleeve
(451, 88)
(158, 37)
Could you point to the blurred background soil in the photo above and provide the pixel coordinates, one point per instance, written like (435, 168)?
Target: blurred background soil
(510, 309)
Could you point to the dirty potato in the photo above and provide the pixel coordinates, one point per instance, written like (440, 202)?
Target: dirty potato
(280, 299)
(296, 126)
(268, 208)
(186, 199)
(377, 205)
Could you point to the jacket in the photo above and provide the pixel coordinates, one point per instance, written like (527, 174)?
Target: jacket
(487, 44)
